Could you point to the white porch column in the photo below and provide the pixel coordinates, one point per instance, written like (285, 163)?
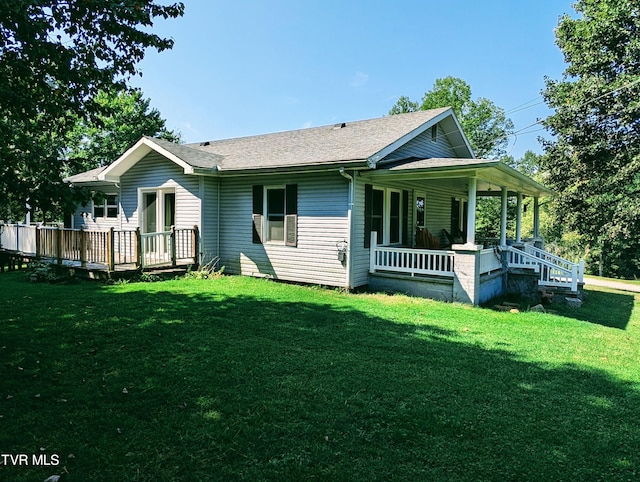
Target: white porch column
(471, 214)
(519, 219)
(536, 218)
(503, 218)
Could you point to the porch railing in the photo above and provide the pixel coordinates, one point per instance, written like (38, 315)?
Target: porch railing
(410, 261)
(553, 271)
(490, 260)
(104, 247)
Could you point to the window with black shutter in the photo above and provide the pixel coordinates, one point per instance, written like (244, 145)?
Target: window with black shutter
(275, 214)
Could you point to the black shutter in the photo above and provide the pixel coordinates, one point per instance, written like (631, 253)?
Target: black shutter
(405, 218)
(291, 215)
(258, 211)
(368, 213)
(455, 217)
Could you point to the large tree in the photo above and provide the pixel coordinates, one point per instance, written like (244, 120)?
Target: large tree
(594, 159)
(55, 56)
(125, 118)
(486, 125)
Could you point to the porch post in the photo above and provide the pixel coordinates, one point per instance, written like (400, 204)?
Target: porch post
(519, 219)
(536, 218)
(503, 218)
(471, 214)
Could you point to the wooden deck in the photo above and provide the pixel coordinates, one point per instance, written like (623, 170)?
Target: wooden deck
(99, 254)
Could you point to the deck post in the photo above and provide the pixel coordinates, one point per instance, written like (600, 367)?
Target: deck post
(111, 255)
(372, 252)
(195, 245)
(38, 242)
(83, 247)
(59, 244)
(172, 245)
(138, 248)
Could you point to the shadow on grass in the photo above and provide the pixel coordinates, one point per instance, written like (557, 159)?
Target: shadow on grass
(606, 308)
(167, 386)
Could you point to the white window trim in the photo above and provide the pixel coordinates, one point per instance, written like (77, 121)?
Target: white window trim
(265, 210)
(386, 215)
(106, 206)
(160, 192)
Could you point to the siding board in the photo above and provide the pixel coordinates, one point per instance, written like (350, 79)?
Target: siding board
(322, 222)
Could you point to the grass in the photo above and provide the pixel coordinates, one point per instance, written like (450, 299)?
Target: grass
(246, 379)
(617, 280)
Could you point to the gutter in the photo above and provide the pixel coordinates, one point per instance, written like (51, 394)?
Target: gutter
(350, 224)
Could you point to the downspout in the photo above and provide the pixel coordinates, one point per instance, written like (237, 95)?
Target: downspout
(349, 178)
(218, 223)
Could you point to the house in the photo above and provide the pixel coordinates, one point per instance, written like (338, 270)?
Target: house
(346, 205)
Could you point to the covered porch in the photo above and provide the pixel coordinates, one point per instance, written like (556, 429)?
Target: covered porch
(445, 259)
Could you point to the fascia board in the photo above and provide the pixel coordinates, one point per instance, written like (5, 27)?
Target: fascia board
(372, 161)
(129, 159)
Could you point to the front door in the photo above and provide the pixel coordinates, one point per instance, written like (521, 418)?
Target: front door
(158, 216)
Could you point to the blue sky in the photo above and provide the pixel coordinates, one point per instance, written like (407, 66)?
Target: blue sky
(246, 67)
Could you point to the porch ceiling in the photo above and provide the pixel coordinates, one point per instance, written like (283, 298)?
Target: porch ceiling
(491, 176)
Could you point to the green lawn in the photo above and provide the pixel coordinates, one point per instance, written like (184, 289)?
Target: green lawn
(246, 379)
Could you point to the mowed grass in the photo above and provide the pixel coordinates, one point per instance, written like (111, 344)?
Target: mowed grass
(246, 379)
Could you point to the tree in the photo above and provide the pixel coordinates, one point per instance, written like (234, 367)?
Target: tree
(55, 56)
(594, 160)
(486, 125)
(125, 118)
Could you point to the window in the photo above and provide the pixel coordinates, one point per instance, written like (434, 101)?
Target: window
(434, 133)
(420, 211)
(275, 214)
(386, 213)
(108, 207)
(279, 225)
(394, 217)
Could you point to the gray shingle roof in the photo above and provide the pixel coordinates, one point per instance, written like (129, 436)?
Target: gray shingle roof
(194, 157)
(350, 141)
(87, 176)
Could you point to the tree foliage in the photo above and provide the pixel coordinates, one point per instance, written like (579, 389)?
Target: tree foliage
(485, 124)
(55, 56)
(125, 117)
(594, 161)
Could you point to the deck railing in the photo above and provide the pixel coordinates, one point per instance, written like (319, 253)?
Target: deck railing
(553, 271)
(410, 261)
(104, 247)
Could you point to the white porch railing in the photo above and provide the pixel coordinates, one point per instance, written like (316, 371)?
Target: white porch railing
(556, 260)
(490, 260)
(553, 270)
(410, 261)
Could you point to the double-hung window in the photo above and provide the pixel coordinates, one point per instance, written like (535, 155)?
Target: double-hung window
(275, 214)
(106, 208)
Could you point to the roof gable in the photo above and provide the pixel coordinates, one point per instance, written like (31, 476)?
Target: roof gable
(186, 158)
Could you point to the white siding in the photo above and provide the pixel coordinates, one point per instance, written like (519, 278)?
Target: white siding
(322, 222)
(155, 171)
(423, 147)
(359, 254)
(209, 226)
